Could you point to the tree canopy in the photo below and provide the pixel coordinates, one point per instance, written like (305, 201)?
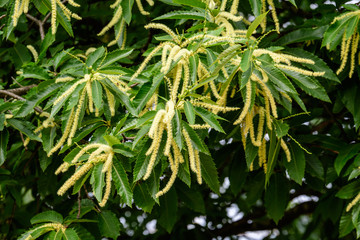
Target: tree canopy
(175, 119)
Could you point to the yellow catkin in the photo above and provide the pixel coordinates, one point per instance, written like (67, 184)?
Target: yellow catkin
(262, 153)
(268, 94)
(345, 16)
(165, 29)
(274, 15)
(76, 117)
(166, 49)
(141, 8)
(84, 150)
(16, 14)
(344, 60)
(90, 97)
(170, 112)
(62, 168)
(33, 52)
(213, 107)
(122, 31)
(214, 90)
(299, 70)
(64, 79)
(68, 14)
(246, 105)
(353, 202)
(170, 58)
(263, 10)
(65, 134)
(157, 119)
(223, 5)
(190, 147)
(111, 101)
(68, 92)
(354, 47)
(297, 59)
(343, 45)
(230, 16)
(260, 129)
(108, 162)
(76, 176)
(198, 166)
(177, 80)
(286, 150)
(116, 3)
(74, 4)
(234, 7)
(172, 179)
(200, 126)
(177, 152)
(146, 61)
(155, 151)
(112, 22)
(107, 189)
(53, 16)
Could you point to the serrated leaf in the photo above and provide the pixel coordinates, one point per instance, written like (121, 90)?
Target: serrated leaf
(189, 112)
(25, 127)
(301, 35)
(192, 198)
(346, 225)
(48, 216)
(182, 15)
(345, 155)
(209, 173)
(191, 3)
(255, 24)
(209, 118)
(256, 7)
(237, 174)
(70, 234)
(96, 90)
(112, 57)
(334, 29)
(35, 72)
(277, 197)
(142, 198)
(127, 9)
(36, 99)
(109, 224)
(141, 162)
(349, 190)
(281, 128)
(98, 181)
(195, 139)
(246, 60)
(296, 167)
(4, 139)
(278, 78)
(94, 56)
(168, 210)
(123, 150)
(121, 182)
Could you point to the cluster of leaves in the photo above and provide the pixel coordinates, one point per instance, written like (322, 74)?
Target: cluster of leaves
(154, 115)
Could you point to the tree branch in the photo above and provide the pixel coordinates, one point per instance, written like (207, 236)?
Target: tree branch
(245, 224)
(18, 91)
(14, 95)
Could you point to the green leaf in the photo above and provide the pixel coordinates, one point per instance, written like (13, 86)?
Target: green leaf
(191, 3)
(346, 225)
(209, 118)
(123, 149)
(334, 30)
(60, 18)
(94, 56)
(79, 183)
(237, 174)
(142, 198)
(293, 2)
(24, 127)
(48, 216)
(278, 78)
(306, 81)
(20, 55)
(35, 72)
(281, 128)
(189, 112)
(141, 163)
(121, 182)
(209, 173)
(141, 134)
(47, 136)
(351, 27)
(345, 155)
(96, 90)
(168, 210)
(246, 60)
(256, 7)
(112, 57)
(146, 92)
(255, 24)
(349, 190)
(111, 140)
(98, 181)
(195, 139)
(350, 98)
(182, 15)
(319, 66)
(127, 9)
(277, 197)
(301, 35)
(124, 99)
(192, 198)
(296, 167)
(4, 139)
(109, 224)
(70, 234)
(36, 99)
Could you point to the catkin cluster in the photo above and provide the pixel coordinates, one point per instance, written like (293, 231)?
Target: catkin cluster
(103, 153)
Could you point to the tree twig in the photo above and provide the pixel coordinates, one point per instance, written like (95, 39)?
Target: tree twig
(13, 95)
